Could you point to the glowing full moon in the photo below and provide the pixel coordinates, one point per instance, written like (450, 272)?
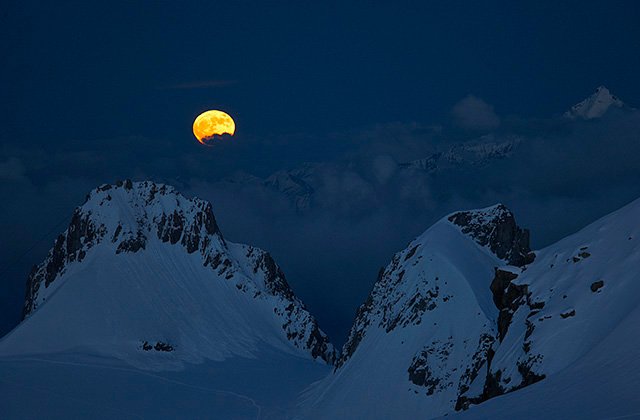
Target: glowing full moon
(213, 123)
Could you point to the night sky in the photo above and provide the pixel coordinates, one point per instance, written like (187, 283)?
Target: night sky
(94, 92)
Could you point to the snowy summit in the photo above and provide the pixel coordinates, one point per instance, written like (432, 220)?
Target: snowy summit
(143, 274)
(595, 106)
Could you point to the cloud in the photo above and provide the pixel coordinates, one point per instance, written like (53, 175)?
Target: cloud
(365, 205)
(12, 170)
(473, 113)
(203, 84)
(384, 167)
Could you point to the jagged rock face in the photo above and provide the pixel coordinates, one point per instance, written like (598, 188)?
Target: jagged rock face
(132, 218)
(96, 219)
(496, 228)
(553, 311)
(435, 317)
(426, 330)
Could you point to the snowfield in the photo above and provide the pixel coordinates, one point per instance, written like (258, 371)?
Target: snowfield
(451, 328)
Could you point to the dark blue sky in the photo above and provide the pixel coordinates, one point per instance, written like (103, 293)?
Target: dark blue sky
(92, 92)
(88, 71)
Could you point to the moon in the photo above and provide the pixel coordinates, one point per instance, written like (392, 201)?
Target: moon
(213, 123)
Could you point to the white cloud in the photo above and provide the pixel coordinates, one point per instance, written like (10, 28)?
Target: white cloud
(475, 114)
(12, 170)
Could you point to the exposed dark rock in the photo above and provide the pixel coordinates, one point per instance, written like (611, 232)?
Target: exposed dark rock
(214, 260)
(160, 346)
(80, 231)
(432, 358)
(421, 375)
(530, 328)
(536, 305)
(275, 281)
(69, 247)
(507, 297)
(597, 285)
(569, 314)
(209, 220)
(360, 324)
(499, 285)
(170, 227)
(411, 252)
(478, 360)
(497, 229)
(528, 376)
(492, 387)
(580, 256)
(319, 345)
(134, 244)
(116, 234)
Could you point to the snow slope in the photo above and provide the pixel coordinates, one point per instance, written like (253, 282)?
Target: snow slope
(584, 286)
(422, 336)
(602, 384)
(144, 275)
(75, 385)
(466, 321)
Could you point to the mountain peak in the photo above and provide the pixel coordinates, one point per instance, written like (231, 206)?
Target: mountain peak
(595, 106)
(496, 228)
(137, 260)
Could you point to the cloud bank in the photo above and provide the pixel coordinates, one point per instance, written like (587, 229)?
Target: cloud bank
(475, 114)
(345, 214)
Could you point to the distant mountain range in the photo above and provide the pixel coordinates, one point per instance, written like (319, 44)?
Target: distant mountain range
(302, 185)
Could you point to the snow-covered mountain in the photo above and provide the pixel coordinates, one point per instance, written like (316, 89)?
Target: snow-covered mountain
(295, 185)
(142, 296)
(425, 331)
(567, 303)
(469, 154)
(143, 274)
(315, 185)
(595, 106)
(467, 313)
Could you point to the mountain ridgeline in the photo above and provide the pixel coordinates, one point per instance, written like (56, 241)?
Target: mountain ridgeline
(142, 269)
(465, 313)
(468, 312)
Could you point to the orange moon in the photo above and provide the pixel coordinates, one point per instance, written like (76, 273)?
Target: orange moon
(213, 123)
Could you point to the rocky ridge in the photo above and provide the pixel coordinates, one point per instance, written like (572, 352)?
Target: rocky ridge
(127, 216)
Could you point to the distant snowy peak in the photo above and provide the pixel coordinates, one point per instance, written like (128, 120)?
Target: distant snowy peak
(477, 153)
(595, 106)
(132, 223)
(294, 184)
